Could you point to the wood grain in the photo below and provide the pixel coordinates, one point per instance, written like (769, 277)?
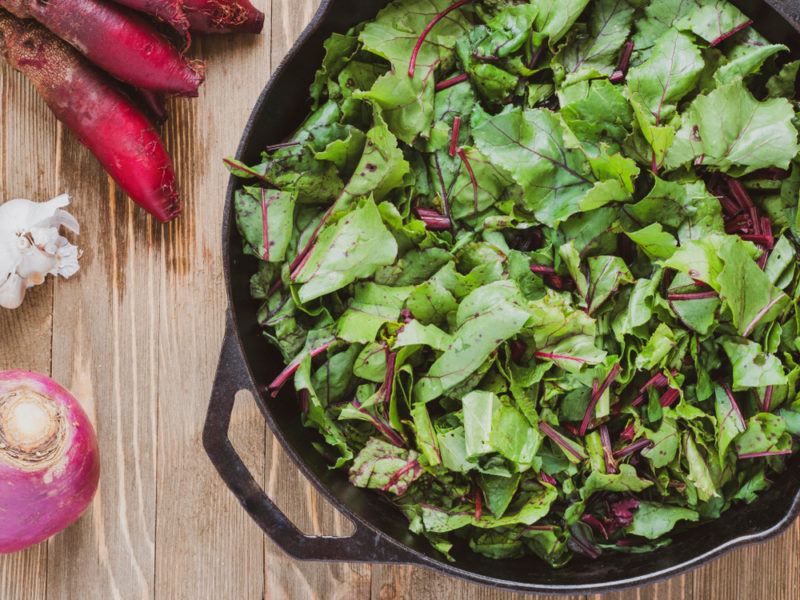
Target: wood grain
(136, 336)
(28, 155)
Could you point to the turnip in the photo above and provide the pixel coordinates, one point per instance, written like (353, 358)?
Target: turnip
(49, 462)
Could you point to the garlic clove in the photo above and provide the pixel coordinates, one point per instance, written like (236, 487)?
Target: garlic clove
(31, 246)
(12, 291)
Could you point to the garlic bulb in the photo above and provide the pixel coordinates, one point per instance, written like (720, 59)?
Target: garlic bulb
(31, 246)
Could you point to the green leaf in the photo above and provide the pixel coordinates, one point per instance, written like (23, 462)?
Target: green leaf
(712, 19)
(425, 435)
(746, 59)
(555, 19)
(656, 352)
(653, 520)
(346, 153)
(395, 31)
(317, 416)
(417, 334)
(595, 52)
(699, 474)
(654, 241)
(280, 221)
(382, 167)
(625, 481)
(606, 274)
(752, 305)
(765, 433)
(685, 208)
(486, 318)
(699, 259)
(782, 84)
(666, 442)
(535, 508)
(351, 249)
(752, 367)
(382, 466)
(730, 421)
(601, 115)
(658, 18)
(739, 134)
(372, 306)
(666, 77)
(490, 426)
(406, 104)
(530, 146)
(498, 491)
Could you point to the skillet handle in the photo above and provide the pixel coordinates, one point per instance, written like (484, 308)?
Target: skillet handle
(232, 375)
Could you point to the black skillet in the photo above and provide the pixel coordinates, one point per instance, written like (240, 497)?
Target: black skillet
(381, 534)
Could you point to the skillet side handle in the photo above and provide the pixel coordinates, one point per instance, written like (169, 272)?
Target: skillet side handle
(232, 375)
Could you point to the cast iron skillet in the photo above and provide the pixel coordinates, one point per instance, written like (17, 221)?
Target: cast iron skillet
(381, 535)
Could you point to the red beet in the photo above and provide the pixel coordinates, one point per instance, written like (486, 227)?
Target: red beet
(223, 16)
(168, 11)
(102, 118)
(49, 462)
(118, 41)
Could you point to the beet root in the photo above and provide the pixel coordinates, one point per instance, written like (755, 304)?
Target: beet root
(118, 41)
(223, 16)
(103, 119)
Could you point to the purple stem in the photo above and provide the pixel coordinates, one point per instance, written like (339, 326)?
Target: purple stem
(767, 402)
(619, 74)
(693, 296)
(633, 448)
(595, 524)
(463, 156)
(280, 146)
(668, 398)
(412, 64)
(547, 478)
(596, 395)
(552, 356)
(766, 454)
(433, 220)
(410, 465)
(454, 136)
(608, 452)
(734, 405)
(448, 83)
(559, 439)
(292, 367)
(542, 269)
(732, 32)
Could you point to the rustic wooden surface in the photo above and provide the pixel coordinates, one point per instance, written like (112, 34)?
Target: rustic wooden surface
(136, 337)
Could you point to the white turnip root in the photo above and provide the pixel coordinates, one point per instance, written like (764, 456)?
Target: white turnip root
(49, 462)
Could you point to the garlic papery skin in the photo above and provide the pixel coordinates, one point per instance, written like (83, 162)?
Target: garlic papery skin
(32, 247)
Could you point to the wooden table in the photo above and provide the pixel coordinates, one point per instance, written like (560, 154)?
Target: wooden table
(136, 335)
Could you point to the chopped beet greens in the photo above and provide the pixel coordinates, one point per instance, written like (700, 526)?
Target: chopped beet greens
(525, 283)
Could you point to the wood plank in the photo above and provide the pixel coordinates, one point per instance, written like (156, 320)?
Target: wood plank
(28, 151)
(105, 329)
(206, 545)
(676, 588)
(767, 570)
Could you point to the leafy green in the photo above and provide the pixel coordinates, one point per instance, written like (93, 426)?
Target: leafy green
(531, 268)
(352, 249)
(737, 133)
(652, 520)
